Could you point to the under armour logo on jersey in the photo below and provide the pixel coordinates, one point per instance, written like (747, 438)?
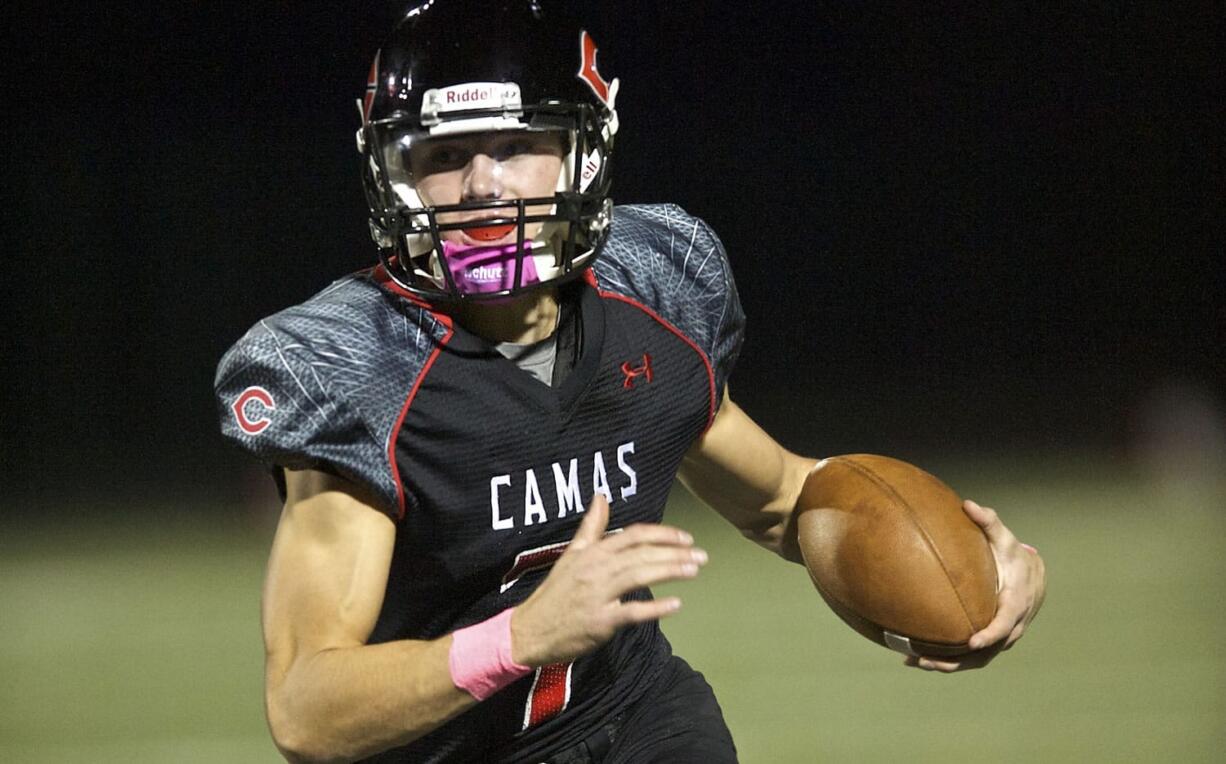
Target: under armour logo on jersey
(254, 400)
(634, 372)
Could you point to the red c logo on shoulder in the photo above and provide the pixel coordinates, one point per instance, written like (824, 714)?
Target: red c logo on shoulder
(259, 396)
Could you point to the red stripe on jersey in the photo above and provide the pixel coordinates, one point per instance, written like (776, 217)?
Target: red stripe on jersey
(660, 320)
(385, 280)
(391, 441)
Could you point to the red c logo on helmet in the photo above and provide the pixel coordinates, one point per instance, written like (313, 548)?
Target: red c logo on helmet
(257, 395)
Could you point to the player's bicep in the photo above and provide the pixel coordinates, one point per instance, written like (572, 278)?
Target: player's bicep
(327, 572)
(736, 456)
(713, 449)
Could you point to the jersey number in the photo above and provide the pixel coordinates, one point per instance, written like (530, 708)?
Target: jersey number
(550, 693)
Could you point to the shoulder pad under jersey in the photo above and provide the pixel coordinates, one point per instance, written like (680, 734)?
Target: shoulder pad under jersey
(673, 263)
(323, 384)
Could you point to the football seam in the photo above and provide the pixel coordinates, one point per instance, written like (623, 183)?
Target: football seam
(911, 514)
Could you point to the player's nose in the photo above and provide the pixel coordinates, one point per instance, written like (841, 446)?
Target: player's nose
(483, 178)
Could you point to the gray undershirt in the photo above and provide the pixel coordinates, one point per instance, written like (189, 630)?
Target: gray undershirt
(536, 358)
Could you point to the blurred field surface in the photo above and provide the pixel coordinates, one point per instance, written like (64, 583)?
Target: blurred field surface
(124, 642)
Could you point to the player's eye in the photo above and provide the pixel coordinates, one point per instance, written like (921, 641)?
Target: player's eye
(446, 157)
(431, 158)
(513, 148)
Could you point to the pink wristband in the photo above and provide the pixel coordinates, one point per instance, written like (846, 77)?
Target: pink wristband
(1029, 547)
(480, 658)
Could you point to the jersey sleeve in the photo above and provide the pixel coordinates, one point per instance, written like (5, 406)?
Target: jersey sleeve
(675, 264)
(322, 386)
(274, 405)
(729, 326)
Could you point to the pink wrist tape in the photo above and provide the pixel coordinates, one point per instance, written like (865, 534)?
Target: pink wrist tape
(1029, 547)
(480, 658)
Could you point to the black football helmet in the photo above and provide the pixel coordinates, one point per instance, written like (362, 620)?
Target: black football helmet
(454, 67)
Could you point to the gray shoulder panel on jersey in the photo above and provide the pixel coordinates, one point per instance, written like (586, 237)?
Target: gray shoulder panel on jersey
(323, 384)
(674, 264)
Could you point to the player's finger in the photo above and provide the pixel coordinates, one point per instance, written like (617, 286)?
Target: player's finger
(647, 533)
(641, 611)
(629, 560)
(1015, 635)
(929, 664)
(932, 664)
(1008, 615)
(593, 525)
(642, 576)
(972, 660)
(987, 519)
(948, 666)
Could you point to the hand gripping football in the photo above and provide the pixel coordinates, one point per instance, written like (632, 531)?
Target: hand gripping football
(893, 554)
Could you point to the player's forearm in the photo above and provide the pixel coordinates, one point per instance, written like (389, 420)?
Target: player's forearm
(348, 703)
(746, 476)
(761, 509)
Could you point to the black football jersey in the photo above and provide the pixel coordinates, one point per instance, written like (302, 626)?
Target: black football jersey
(485, 470)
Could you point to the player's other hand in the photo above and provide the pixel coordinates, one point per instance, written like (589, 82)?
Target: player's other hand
(578, 606)
(1022, 582)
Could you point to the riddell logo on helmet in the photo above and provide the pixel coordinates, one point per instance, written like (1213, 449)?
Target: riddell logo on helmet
(472, 95)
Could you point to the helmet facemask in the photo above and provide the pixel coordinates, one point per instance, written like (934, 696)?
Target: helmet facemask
(555, 236)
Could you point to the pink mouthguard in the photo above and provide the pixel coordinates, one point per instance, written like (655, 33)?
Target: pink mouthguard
(482, 270)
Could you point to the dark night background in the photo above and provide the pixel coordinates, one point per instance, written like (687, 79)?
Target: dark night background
(957, 227)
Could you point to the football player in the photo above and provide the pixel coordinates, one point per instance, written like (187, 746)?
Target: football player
(475, 439)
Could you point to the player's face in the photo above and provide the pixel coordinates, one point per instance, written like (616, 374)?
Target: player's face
(487, 167)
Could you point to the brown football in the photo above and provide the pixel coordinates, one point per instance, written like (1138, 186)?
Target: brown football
(893, 554)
